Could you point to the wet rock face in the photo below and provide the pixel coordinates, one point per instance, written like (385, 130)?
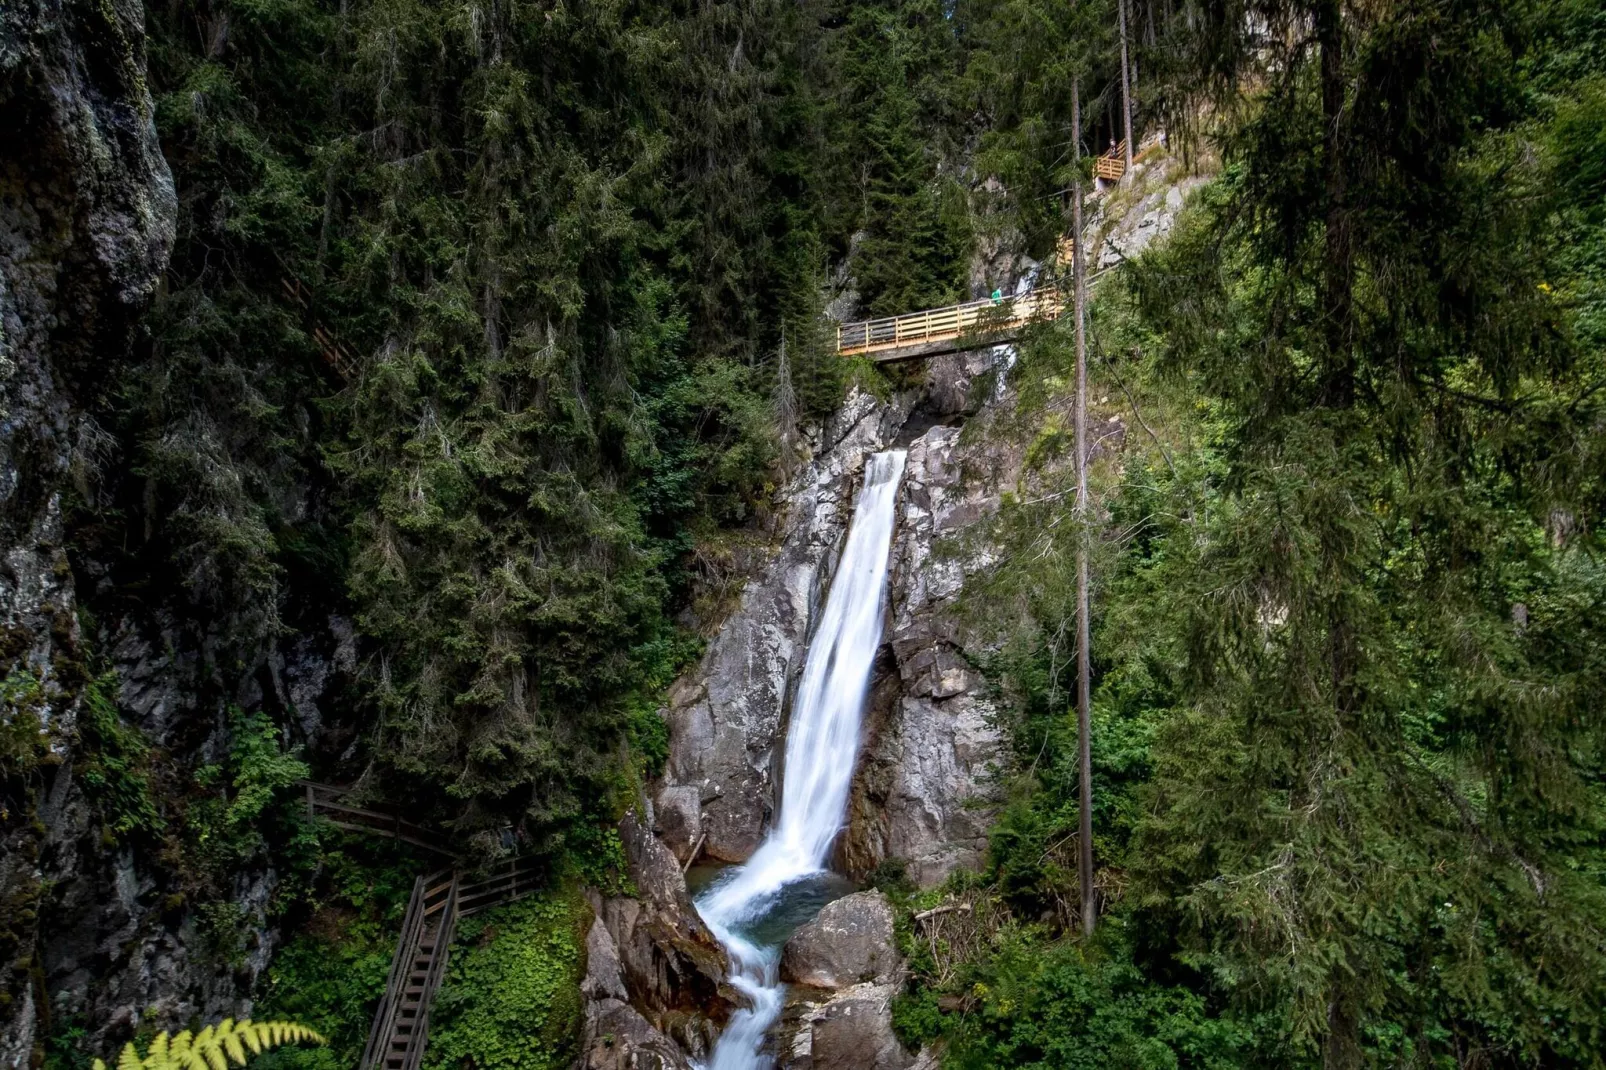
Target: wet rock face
(849, 942)
(922, 795)
(87, 212)
(725, 718)
(655, 977)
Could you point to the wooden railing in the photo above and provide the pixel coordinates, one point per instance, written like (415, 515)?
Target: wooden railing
(972, 325)
(330, 802)
(515, 880)
(1112, 165)
(400, 1031)
(341, 359)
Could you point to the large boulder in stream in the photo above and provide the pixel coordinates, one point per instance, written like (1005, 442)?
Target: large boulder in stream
(850, 1031)
(848, 942)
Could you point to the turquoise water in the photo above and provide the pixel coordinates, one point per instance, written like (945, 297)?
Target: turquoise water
(795, 904)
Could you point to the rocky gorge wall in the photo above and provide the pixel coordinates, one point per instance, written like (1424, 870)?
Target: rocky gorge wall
(86, 222)
(920, 795)
(97, 932)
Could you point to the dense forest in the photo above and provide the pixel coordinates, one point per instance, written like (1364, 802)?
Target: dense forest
(491, 331)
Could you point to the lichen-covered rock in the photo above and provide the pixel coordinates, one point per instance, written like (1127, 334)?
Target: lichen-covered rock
(87, 212)
(850, 1031)
(849, 942)
(617, 1037)
(655, 977)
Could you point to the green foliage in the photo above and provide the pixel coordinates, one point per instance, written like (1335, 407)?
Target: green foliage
(214, 1047)
(24, 739)
(1075, 1006)
(511, 999)
(332, 971)
(896, 60)
(113, 760)
(230, 826)
(1346, 735)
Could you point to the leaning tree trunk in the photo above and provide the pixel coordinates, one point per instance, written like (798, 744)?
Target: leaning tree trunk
(1083, 667)
(1126, 91)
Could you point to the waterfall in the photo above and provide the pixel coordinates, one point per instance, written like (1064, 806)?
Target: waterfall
(821, 750)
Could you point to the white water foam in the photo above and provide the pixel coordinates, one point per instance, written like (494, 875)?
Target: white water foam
(821, 750)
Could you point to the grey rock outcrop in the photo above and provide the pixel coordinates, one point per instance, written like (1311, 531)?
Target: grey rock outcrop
(87, 212)
(923, 793)
(1141, 224)
(617, 1037)
(849, 942)
(654, 984)
(725, 718)
(850, 1031)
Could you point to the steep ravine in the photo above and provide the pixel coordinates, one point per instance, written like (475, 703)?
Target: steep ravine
(924, 788)
(97, 933)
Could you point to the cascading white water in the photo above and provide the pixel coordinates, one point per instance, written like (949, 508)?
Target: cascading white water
(821, 750)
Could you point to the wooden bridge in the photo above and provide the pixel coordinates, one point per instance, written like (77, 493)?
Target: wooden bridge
(400, 1030)
(973, 325)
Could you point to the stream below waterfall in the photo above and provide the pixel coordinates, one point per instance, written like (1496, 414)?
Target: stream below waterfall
(752, 908)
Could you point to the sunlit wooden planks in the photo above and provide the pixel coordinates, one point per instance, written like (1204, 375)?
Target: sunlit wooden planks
(939, 330)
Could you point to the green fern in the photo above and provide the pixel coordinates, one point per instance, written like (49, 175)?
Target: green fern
(214, 1047)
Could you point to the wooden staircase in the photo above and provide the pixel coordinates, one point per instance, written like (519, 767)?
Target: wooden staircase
(401, 1026)
(400, 1031)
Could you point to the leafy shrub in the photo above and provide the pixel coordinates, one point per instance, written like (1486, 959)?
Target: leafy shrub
(511, 999)
(114, 765)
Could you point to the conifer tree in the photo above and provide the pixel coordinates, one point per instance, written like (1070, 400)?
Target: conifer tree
(1370, 808)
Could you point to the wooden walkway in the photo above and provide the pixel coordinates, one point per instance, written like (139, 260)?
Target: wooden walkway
(331, 802)
(400, 1030)
(973, 325)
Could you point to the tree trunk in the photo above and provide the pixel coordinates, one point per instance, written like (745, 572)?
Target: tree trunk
(1337, 283)
(1342, 1048)
(1084, 862)
(1126, 92)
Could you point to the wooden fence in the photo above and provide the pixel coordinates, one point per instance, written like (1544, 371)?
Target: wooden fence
(975, 323)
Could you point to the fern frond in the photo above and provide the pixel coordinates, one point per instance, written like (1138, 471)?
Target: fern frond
(162, 1053)
(180, 1054)
(232, 1045)
(214, 1047)
(128, 1060)
(251, 1034)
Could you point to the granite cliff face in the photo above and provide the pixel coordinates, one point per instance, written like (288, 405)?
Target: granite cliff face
(921, 791)
(86, 223)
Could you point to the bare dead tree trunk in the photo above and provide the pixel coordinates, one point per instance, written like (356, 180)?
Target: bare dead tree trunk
(1084, 862)
(1126, 92)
